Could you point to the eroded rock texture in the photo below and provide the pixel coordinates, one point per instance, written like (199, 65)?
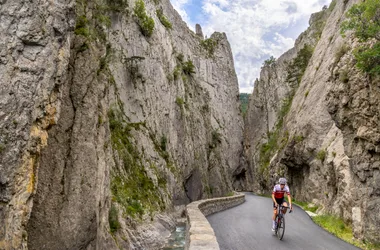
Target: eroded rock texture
(320, 131)
(105, 130)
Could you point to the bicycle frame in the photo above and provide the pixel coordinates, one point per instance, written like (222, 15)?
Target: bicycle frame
(280, 220)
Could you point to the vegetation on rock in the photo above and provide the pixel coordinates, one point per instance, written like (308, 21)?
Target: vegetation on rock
(145, 22)
(364, 21)
(278, 138)
(321, 155)
(244, 99)
(131, 186)
(296, 68)
(188, 68)
(209, 46)
(339, 228)
(163, 19)
(113, 218)
(184, 68)
(269, 62)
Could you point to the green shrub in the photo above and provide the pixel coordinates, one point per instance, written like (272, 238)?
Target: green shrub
(363, 19)
(296, 68)
(83, 47)
(368, 59)
(209, 46)
(117, 5)
(307, 93)
(180, 57)
(145, 22)
(216, 139)
(180, 101)
(113, 219)
(176, 72)
(163, 19)
(163, 143)
(321, 155)
(188, 68)
(269, 62)
(82, 26)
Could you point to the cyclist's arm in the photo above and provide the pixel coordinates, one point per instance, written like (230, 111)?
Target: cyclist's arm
(290, 200)
(274, 200)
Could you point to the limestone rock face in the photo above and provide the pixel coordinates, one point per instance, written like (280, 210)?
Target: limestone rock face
(104, 129)
(322, 134)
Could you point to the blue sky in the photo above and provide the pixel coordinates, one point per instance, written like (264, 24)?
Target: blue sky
(256, 29)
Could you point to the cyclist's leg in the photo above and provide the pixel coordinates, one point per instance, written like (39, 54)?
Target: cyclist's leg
(274, 217)
(274, 211)
(285, 204)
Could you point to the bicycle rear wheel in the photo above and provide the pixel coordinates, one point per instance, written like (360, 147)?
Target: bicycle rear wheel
(280, 227)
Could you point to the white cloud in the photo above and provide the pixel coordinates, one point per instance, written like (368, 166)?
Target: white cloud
(256, 29)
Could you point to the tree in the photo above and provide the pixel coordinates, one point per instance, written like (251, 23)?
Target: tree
(269, 62)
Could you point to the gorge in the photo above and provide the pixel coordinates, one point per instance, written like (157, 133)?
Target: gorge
(114, 116)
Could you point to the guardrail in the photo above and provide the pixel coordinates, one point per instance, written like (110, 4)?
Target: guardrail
(199, 233)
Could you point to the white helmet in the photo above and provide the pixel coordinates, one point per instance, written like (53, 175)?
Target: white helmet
(282, 181)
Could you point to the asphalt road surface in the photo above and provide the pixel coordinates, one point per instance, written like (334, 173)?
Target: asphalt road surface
(248, 226)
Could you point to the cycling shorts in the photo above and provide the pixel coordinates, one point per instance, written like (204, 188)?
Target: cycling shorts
(279, 201)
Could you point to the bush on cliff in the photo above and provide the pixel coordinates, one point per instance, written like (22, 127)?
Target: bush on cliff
(364, 21)
(145, 22)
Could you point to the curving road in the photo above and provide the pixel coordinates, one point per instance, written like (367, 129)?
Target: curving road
(248, 227)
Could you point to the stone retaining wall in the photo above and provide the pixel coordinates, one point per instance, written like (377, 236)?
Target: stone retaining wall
(199, 233)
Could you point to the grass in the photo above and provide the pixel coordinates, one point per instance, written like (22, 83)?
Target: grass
(337, 227)
(131, 186)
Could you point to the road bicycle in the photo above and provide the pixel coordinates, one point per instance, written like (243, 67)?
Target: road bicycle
(280, 221)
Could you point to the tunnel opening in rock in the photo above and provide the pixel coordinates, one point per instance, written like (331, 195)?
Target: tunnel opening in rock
(239, 180)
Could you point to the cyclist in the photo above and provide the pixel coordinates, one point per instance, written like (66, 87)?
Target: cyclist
(278, 198)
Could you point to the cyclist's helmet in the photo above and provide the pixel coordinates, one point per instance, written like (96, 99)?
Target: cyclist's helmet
(282, 181)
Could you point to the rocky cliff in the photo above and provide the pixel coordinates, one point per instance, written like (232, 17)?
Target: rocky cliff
(314, 118)
(113, 115)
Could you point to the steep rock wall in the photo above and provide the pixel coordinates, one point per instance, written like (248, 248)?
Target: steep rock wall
(326, 141)
(105, 130)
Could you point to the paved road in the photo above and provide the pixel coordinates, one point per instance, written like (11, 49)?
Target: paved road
(248, 227)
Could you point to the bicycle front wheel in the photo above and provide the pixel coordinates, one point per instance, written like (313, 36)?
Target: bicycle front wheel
(281, 228)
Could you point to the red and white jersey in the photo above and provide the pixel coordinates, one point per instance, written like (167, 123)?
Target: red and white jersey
(279, 193)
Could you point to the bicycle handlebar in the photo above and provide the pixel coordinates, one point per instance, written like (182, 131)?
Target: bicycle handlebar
(281, 206)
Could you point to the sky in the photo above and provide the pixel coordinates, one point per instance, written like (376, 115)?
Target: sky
(256, 29)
